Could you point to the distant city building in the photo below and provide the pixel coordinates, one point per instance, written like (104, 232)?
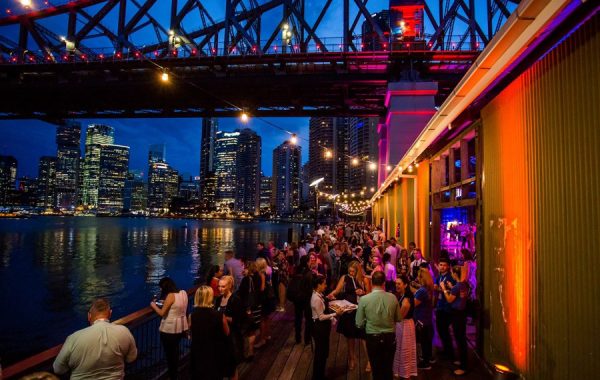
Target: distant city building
(68, 154)
(8, 178)
(328, 152)
(286, 179)
(266, 190)
(304, 184)
(207, 159)
(248, 158)
(163, 184)
(96, 136)
(370, 39)
(26, 194)
(226, 149)
(114, 167)
(135, 198)
(47, 182)
(364, 147)
(157, 153)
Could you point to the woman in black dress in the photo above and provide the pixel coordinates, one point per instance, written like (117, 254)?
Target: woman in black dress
(209, 331)
(230, 305)
(350, 287)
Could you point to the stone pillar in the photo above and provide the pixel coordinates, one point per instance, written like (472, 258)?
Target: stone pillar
(410, 106)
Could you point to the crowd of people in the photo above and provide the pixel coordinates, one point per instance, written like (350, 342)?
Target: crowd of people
(392, 302)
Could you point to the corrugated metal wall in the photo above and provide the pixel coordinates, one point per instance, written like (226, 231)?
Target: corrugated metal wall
(398, 207)
(541, 213)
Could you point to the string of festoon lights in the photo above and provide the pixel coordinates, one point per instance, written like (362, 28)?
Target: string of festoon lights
(348, 207)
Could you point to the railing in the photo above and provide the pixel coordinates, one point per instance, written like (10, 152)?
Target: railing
(150, 362)
(327, 45)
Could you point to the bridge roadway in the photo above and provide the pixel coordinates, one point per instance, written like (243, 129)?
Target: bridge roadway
(306, 84)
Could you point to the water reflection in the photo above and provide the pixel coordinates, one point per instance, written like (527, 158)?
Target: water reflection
(56, 266)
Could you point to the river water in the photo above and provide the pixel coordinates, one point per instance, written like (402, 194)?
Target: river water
(51, 268)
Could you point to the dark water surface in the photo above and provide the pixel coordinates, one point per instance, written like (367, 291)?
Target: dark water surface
(51, 268)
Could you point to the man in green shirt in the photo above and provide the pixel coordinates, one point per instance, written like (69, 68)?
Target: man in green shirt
(379, 311)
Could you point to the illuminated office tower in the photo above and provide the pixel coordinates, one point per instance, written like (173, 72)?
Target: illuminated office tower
(68, 154)
(96, 136)
(286, 179)
(114, 167)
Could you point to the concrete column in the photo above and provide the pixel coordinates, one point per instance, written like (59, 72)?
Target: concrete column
(410, 106)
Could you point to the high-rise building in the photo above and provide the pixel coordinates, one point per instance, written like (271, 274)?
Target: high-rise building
(266, 190)
(286, 178)
(68, 155)
(96, 136)
(207, 154)
(363, 147)
(114, 167)
(370, 39)
(163, 185)
(247, 198)
(8, 179)
(328, 152)
(46, 182)
(135, 198)
(157, 153)
(26, 194)
(226, 152)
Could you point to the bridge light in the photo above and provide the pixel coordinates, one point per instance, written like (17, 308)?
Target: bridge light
(194, 51)
(101, 56)
(171, 32)
(164, 76)
(244, 117)
(294, 139)
(25, 3)
(285, 27)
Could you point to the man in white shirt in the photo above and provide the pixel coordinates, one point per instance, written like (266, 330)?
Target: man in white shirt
(99, 351)
(321, 326)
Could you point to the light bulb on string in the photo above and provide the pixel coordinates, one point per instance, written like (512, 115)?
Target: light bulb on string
(294, 139)
(328, 153)
(164, 76)
(355, 161)
(244, 117)
(25, 3)
(372, 166)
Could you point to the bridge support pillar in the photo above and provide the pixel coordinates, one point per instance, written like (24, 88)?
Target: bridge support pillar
(410, 106)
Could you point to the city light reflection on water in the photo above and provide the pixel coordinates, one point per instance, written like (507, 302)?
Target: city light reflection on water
(51, 268)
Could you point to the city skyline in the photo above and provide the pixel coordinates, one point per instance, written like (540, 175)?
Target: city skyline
(180, 136)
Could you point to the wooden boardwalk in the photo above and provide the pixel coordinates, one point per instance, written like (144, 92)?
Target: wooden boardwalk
(283, 359)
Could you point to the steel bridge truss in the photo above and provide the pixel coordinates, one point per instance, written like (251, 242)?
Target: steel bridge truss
(135, 28)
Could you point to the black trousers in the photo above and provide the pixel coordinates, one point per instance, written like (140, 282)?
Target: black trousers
(381, 349)
(425, 339)
(459, 327)
(302, 310)
(443, 320)
(170, 343)
(320, 334)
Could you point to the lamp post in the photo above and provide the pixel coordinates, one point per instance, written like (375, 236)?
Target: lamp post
(316, 183)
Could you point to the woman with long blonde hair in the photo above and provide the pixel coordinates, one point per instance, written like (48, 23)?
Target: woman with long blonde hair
(209, 330)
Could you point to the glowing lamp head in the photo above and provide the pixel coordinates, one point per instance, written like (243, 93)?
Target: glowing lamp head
(294, 139)
(328, 153)
(164, 76)
(355, 161)
(244, 117)
(372, 166)
(388, 168)
(25, 3)
(372, 189)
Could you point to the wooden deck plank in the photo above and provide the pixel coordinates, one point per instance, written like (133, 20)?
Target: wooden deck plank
(303, 366)
(278, 362)
(292, 362)
(338, 368)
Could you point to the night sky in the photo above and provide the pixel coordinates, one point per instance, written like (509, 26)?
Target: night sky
(28, 140)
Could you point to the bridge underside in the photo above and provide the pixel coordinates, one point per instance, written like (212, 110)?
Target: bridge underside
(319, 84)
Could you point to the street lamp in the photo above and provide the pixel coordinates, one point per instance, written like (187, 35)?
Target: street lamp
(316, 183)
